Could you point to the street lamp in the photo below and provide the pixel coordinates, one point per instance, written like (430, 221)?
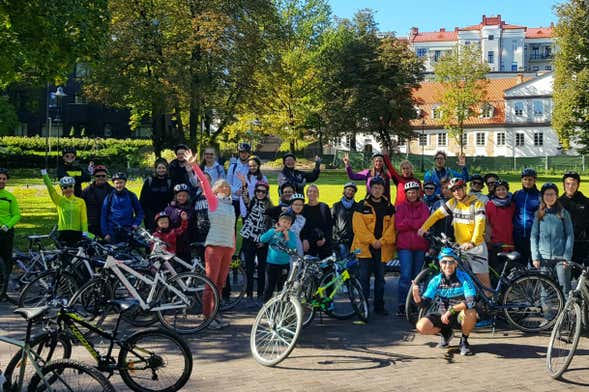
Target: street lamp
(59, 95)
(422, 141)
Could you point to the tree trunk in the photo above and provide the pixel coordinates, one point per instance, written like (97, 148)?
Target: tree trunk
(353, 147)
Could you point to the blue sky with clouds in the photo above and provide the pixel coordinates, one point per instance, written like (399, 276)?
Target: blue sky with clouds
(431, 15)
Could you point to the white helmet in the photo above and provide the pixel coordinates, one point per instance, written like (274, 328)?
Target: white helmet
(64, 182)
(412, 185)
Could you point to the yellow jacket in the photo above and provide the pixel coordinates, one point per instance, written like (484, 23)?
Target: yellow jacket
(363, 223)
(468, 219)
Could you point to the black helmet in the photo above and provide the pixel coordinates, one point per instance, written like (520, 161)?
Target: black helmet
(119, 176)
(571, 174)
(549, 185)
(180, 146)
(501, 182)
(181, 188)
(351, 185)
(529, 172)
(4, 171)
(476, 177)
(68, 150)
(244, 147)
(377, 180)
(160, 215)
(288, 154)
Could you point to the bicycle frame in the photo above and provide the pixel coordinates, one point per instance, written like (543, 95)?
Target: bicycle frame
(116, 266)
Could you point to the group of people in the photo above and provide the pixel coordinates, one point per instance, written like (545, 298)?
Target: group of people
(196, 207)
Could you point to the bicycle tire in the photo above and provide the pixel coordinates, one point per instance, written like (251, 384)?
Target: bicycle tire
(39, 343)
(411, 309)
(45, 283)
(359, 301)
(528, 292)
(146, 364)
(3, 277)
(561, 333)
(309, 287)
(18, 279)
(83, 377)
(193, 286)
(291, 315)
(91, 301)
(238, 278)
(341, 307)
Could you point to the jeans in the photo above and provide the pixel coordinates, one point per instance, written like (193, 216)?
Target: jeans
(411, 264)
(522, 245)
(366, 268)
(274, 278)
(563, 273)
(249, 251)
(6, 245)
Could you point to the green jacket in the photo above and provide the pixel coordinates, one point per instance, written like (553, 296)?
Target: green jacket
(9, 211)
(71, 211)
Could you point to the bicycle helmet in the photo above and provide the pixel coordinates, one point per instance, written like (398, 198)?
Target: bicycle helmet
(501, 182)
(351, 185)
(411, 185)
(4, 171)
(572, 174)
(455, 183)
(262, 184)
(477, 177)
(181, 188)
(377, 154)
(64, 182)
(160, 215)
(68, 150)
(100, 168)
(244, 147)
(297, 196)
(378, 180)
(549, 185)
(180, 146)
(288, 154)
(447, 252)
(119, 176)
(529, 172)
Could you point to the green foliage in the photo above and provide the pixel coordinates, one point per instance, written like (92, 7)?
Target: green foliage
(8, 117)
(570, 117)
(463, 77)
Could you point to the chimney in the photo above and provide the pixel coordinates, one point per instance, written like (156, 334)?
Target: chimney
(456, 28)
(442, 30)
(519, 78)
(484, 19)
(413, 32)
(551, 25)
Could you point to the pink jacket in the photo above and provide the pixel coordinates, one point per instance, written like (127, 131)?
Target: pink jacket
(408, 219)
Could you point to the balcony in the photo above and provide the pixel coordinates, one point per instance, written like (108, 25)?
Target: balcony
(541, 57)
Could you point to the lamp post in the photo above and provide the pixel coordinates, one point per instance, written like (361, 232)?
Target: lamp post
(59, 95)
(421, 141)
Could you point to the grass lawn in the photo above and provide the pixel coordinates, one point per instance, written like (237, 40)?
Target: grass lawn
(39, 213)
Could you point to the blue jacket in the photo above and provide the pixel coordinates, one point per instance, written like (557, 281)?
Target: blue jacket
(434, 175)
(553, 236)
(276, 256)
(120, 209)
(448, 292)
(526, 202)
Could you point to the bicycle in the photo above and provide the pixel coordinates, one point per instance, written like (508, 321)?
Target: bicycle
(47, 374)
(529, 300)
(144, 362)
(573, 319)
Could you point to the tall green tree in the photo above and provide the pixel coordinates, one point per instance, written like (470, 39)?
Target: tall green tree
(570, 116)
(462, 75)
(42, 40)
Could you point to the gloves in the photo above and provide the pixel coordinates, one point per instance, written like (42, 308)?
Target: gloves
(43, 172)
(4, 228)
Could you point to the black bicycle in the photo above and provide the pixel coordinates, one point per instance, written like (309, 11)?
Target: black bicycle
(150, 360)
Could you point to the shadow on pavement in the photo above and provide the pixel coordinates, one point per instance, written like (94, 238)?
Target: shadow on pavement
(336, 363)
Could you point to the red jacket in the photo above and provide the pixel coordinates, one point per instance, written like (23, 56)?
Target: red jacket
(408, 219)
(500, 220)
(171, 235)
(400, 181)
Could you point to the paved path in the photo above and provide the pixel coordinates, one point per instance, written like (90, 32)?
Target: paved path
(383, 355)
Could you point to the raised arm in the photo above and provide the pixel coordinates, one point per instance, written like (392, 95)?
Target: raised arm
(206, 188)
(394, 174)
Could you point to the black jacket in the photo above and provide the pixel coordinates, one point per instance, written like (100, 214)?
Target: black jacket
(178, 174)
(94, 197)
(578, 208)
(155, 196)
(298, 178)
(76, 171)
(342, 223)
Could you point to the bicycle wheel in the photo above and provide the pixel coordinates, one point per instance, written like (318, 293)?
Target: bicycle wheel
(91, 301)
(238, 280)
(23, 271)
(411, 308)
(341, 308)
(49, 286)
(70, 375)
(564, 340)
(309, 287)
(359, 302)
(276, 330)
(182, 317)
(532, 302)
(48, 346)
(155, 360)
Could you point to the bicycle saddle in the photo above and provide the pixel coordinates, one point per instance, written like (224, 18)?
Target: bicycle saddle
(122, 305)
(510, 255)
(31, 313)
(37, 237)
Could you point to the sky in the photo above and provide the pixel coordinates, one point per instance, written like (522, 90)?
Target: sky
(430, 15)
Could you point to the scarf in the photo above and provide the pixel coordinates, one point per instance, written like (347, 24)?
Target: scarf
(347, 203)
(502, 202)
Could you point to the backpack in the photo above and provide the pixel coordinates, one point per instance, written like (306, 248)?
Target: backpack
(150, 180)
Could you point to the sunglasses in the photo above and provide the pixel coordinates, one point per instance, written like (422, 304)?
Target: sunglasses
(67, 187)
(427, 188)
(476, 183)
(261, 191)
(447, 261)
(491, 183)
(100, 175)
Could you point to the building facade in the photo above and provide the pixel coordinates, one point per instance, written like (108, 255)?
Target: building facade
(505, 47)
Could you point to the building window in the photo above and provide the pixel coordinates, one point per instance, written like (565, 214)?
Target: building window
(480, 139)
(519, 109)
(538, 108)
(491, 37)
(436, 113)
(538, 138)
(535, 68)
(547, 52)
(501, 139)
(487, 111)
(519, 139)
(514, 66)
(421, 52)
(535, 52)
(423, 139)
(442, 140)
(437, 55)
(464, 139)
(502, 66)
(514, 46)
(466, 42)
(79, 98)
(491, 57)
(548, 68)
(348, 141)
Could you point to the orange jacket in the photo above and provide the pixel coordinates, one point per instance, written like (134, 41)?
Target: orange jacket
(363, 222)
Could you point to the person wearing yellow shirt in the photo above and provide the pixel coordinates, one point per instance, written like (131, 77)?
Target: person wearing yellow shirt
(9, 216)
(468, 221)
(72, 221)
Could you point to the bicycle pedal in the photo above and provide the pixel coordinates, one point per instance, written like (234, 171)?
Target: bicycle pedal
(359, 322)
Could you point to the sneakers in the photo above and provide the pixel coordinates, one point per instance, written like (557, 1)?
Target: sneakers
(224, 323)
(464, 346)
(446, 337)
(218, 323)
(483, 323)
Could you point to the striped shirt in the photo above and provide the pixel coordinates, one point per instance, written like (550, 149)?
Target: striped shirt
(450, 291)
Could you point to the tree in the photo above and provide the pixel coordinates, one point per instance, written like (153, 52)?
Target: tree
(8, 117)
(42, 40)
(571, 78)
(462, 76)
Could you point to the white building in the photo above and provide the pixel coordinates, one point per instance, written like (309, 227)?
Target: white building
(505, 47)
